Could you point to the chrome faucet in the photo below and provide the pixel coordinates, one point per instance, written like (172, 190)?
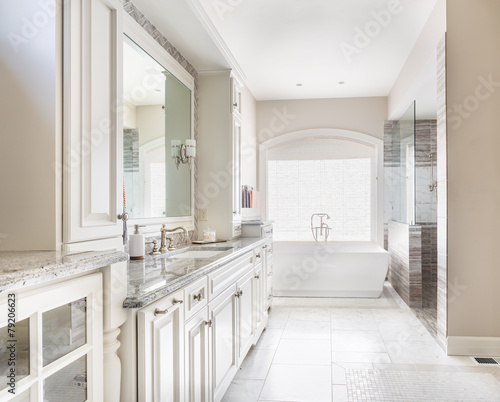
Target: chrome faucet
(164, 237)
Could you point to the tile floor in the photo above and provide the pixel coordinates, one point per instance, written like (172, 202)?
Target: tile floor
(355, 350)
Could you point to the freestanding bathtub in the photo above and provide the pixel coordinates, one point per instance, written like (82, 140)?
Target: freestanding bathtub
(309, 269)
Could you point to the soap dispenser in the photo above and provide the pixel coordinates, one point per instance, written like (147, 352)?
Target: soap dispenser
(136, 244)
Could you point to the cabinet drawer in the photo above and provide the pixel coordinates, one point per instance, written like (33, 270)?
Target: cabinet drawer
(195, 297)
(228, 274)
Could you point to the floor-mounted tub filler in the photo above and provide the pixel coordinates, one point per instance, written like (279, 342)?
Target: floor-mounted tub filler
(311, 269)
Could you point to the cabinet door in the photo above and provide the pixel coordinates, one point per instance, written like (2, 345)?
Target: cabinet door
(260, 298)
(269, 274)
(246, 324)
(222, 312)
(55, 335)
(161, 350)
(197, 378)
(92, 159)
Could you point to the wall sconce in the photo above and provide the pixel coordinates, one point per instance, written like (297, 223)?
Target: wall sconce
(184, 153)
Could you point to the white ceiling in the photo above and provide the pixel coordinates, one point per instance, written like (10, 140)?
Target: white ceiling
(281, 43)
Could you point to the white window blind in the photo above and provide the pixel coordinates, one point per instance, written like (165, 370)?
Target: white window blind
(333, 176)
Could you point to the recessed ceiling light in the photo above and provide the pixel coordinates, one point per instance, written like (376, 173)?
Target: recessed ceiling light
(299, 85)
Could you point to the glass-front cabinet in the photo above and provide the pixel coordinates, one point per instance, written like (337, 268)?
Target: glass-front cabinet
(51, 342)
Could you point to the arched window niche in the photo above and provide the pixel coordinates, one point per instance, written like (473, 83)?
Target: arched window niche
(333, 171)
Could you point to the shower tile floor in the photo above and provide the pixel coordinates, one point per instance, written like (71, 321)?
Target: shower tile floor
(355, 350)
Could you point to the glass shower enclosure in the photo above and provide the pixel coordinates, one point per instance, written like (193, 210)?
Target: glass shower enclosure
(403, 168)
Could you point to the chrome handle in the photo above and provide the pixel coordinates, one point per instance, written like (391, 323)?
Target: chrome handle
(198, 296)
(174, 302)
(208, 323)
(124, 217)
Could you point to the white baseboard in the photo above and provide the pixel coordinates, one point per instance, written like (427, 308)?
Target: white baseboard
(473, 346)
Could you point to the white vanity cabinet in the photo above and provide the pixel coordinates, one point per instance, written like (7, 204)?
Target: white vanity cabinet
(92, 159)
(219, 151)
(192, 342)
(160, 336)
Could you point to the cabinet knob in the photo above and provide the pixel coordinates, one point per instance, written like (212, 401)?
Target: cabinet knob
(208, 323)
(235, 104)
(198, 297)
(123, 217)
(257, 255)
(256, 276)
(239, 293)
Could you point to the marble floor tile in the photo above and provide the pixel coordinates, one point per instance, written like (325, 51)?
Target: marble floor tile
(354, 350)
(339, 393)
(306, 330)
(357, 341)
(366, 323)
(360, 357)
(404, 331)
(243, 391)
(277, 320)
(293, 383)
(310, 314)
(422, 353)
(256, 364)
(300, 351)
(394, 315)
(269, 339)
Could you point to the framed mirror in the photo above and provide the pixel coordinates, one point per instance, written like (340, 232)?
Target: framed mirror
(158, 99)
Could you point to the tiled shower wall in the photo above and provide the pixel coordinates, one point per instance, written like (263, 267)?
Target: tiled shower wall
(141, 19)
(413, 248)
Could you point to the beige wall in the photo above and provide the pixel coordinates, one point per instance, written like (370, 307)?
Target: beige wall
(248, 139)
(399, 98)
(30, 150)
(473, 57)
(364, 115)
(150, 120)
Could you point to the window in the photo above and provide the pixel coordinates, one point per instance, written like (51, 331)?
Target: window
(333, 176)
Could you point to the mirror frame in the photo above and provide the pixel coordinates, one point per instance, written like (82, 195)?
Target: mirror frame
(135, 32)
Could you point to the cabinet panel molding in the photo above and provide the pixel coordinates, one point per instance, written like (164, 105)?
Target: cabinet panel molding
(92, 156)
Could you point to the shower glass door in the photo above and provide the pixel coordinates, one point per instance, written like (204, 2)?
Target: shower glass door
(403, 169)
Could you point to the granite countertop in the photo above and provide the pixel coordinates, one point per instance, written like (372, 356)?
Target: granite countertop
(157, 276)
(23, 268)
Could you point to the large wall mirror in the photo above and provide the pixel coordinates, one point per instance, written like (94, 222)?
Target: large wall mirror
(158, 109)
